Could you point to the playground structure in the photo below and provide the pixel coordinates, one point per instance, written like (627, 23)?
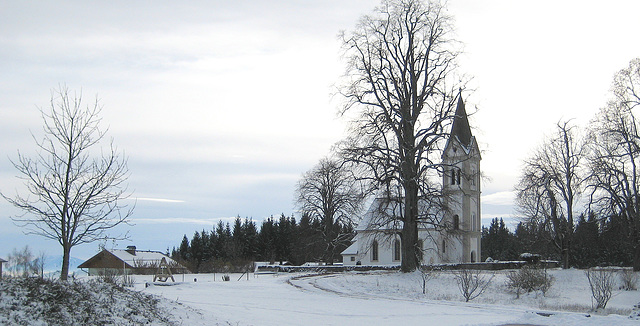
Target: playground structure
(164, 272)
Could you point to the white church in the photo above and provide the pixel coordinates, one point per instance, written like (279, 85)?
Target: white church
(457, 238)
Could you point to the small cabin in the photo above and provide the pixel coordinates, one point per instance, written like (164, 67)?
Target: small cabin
(129, 261)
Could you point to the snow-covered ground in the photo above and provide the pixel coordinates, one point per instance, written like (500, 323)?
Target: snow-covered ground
(383, 298)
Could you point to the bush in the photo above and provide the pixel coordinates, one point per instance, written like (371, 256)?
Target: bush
(471, 283)
(35, 301)
(109, 276)
(629, 279)
(112, 276)
(529, 279)
(601, 282)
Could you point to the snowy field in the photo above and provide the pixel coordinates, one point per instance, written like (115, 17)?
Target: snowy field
(382, 298)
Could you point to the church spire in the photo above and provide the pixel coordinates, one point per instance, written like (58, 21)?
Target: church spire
(460, 127)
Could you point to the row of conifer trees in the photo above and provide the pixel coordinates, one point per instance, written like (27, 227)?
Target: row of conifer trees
(595, 242)
(229, 247)
(232, 247)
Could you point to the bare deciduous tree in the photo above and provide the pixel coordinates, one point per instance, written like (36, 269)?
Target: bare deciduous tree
(614, 179)
(550, 186)
(21, 262)
(72, 198)
(427, 273)
(331, 193)
(399, 82)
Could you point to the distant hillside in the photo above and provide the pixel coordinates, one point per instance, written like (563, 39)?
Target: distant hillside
(53, 264)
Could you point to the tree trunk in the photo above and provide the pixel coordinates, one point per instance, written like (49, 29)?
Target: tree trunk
(64, 274)
(409, 238)
(636, 257)
(565, 257)
(410, 229)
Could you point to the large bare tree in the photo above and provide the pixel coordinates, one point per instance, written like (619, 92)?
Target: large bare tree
(550, 186)
(615, 155)
(400, 87)
(333, 194)
(74, 189)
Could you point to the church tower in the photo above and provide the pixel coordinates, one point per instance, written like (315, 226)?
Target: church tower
(461, 185)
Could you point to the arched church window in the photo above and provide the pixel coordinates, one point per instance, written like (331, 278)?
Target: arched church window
(444, 246)
(374, 251)
(473, 256)
(453, 176)
(396, 249)
(456, 174)
(456, 222)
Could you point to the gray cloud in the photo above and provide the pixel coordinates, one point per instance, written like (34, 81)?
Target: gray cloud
(223, 104)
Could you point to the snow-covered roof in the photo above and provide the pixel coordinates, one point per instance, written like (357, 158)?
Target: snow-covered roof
(141, 257)
(384, 214)
(131, 257)
(351, 250)
(380, 215)
(2, 260)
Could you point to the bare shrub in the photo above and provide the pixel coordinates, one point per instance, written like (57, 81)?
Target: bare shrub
(471, 283)
(629, 279)
(108, 275)
(601, 282)
(426, 274)
(529, 279)
(128, 280)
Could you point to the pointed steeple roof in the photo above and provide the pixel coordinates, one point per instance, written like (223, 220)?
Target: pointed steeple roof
(460, 127)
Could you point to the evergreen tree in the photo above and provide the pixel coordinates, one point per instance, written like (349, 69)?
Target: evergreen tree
(237, 244)
(587, 252)
(223, 241)
(250, 245)
(184, 251)
(533, 238)
(498, 242)
(616, 244)
(285, 229)
(197, 249)
(267, 240)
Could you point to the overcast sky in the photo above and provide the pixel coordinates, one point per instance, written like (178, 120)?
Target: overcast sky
(222, 105)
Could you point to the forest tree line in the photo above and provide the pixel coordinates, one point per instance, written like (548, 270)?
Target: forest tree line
(278, 240)
(597, 242)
